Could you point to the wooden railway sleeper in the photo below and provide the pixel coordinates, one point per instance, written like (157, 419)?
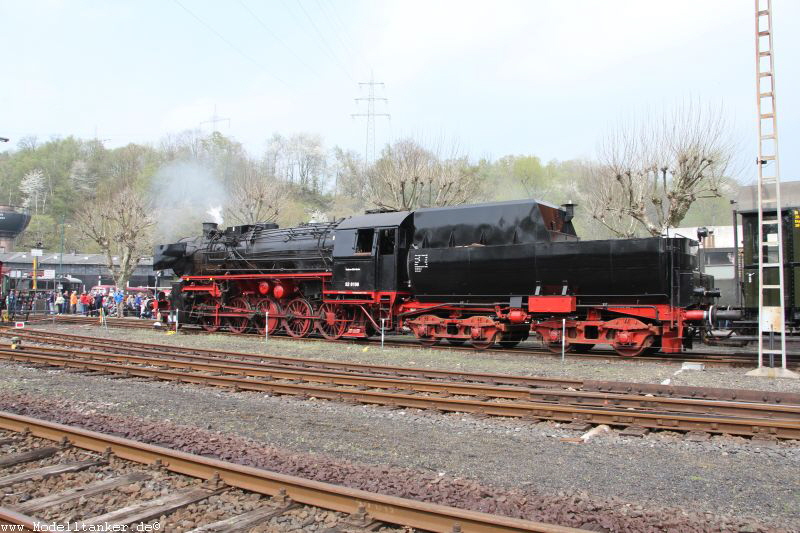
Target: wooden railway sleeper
(683, 422)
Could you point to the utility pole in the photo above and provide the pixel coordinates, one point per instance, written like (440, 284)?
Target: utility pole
(370, 99)
(36, 253)
(214, 119)
(61, 255)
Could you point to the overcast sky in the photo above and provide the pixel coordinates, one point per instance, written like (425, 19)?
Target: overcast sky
(498, 77)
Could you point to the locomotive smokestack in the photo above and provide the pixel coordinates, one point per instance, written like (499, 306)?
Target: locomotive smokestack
(209, 227)
(569, 211)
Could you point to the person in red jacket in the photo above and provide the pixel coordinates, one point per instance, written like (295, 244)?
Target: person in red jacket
(86, 304)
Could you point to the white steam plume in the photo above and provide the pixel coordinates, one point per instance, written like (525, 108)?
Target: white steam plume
(185, 194)
(215, 213)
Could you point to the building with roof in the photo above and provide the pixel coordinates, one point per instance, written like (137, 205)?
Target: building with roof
(747, 197)
(89, 268)
(716, 256)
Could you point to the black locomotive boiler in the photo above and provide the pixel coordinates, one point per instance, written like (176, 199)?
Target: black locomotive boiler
(483, 274)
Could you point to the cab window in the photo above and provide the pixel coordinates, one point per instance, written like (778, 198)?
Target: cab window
(386, 241)
(364, 241)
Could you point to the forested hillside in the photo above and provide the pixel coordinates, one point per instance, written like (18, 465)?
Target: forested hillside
(193, 177)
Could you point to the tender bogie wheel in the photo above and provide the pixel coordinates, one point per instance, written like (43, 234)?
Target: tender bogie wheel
(633, 351)
(483, 344)
(630, 336)
(332, 322)
(429, 338)
(267, 305)
(555, 347)
(237, 324)
(299, 318)
(655, 347)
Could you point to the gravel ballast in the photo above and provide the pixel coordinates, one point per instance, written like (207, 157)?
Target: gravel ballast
(742, 483)
(572, 508)
(635, 370)
(151, 482)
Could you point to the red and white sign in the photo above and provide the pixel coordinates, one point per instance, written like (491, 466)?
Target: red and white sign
(19, 325)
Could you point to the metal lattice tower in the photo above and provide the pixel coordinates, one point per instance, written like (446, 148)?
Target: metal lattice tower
(370, 99)
(771, 297)
(215, 119)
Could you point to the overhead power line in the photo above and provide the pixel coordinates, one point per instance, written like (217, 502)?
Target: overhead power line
(325, 42)
(278, 39)
(336, 23)
(233, 46)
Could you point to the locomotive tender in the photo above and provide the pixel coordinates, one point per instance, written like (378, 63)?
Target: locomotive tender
(484, 274)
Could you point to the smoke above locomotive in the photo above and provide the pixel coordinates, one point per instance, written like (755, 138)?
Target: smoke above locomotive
(483, 273)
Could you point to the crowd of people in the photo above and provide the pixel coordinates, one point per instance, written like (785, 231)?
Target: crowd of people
(110, 302)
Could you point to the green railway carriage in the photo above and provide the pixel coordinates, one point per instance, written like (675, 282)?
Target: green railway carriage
(790, 220)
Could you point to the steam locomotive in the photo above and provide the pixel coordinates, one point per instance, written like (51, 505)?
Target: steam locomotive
(484, 274)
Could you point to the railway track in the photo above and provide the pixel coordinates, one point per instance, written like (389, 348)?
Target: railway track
(533, 382)
(177, 480)
(528, 398)
(708, 358)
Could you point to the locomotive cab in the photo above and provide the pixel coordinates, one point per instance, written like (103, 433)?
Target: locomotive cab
(369, 252)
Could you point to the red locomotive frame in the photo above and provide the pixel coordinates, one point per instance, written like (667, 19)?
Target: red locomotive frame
(276, 302)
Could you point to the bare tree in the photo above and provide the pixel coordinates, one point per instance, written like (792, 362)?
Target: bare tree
(299, 159)
(81, 178)
(607, 206)
(120, 225)
(28, 143)
(308, 160)
(254, 195)
(651, 172)
(408, 176)
(348, 169)
(275, 156)
(184, 145)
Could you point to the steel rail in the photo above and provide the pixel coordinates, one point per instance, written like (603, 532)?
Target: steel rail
(700, 357)
(739, 395)
(11, 517)
(498, 378)
(786, 429)
(596, 399)
(607, 355)
(391, 509)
